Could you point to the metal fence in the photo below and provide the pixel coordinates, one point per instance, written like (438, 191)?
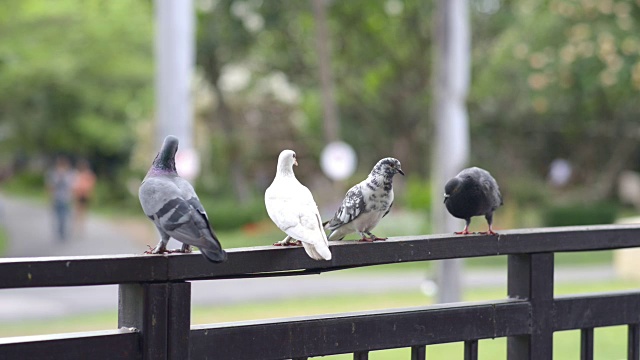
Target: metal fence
(155, 302)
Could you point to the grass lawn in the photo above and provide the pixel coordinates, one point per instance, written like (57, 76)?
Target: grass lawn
(3, 241)
(609, 342)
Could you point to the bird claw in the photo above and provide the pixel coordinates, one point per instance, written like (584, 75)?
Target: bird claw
(153, 251)
(463, 232)
(490, 232)
(288, 243)
(372, 239)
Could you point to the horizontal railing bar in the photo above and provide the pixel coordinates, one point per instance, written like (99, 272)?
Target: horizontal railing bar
(279, 261)
(94, 345)
(81, 270)
(360, 331)
(596, 310)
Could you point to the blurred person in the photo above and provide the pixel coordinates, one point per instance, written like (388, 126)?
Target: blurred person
(59, 183)
(83, 185)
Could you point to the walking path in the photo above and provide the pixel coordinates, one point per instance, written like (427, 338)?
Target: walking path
(30, 233)
(30, 229)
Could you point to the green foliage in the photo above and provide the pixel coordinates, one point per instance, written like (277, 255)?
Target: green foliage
(114, 198)
(74, 78)
(382, 64)
(551, 78)
(580, 214)
(558, 79)
(526, 191)
(417, 195)
(3, 239)
(228, 215)
(26, 183)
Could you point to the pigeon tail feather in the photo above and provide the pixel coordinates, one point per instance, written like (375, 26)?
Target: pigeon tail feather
(317, 252)
(214, 255)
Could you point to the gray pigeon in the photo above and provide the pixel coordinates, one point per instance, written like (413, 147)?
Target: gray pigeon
(473, 192)
(291, 207)
(366, 203)
(173, 206)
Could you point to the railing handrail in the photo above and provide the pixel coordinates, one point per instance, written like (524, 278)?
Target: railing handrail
(154, 301)
(276, 261)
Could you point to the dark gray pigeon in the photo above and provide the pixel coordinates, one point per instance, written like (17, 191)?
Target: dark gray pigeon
(173, 206)
(366, 203)
(473, 192)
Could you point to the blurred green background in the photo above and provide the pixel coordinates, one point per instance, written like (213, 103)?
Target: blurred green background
(550, 79)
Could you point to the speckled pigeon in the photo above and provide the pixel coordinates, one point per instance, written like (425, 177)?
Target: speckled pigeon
(366, 203)
(291, 207)
(473, 192)
(173, 206)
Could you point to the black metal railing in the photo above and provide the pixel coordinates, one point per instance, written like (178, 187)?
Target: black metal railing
(155, 300)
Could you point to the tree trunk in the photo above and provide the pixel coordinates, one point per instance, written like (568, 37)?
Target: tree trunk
(232, 147)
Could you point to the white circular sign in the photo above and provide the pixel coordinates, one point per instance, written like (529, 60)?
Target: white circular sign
(338, 160)
(188, 163)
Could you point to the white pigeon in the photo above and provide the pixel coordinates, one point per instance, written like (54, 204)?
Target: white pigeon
(291, 207)
(366, 203)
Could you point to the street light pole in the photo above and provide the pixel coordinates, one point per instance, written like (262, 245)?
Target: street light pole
(451, 143)
(174, 49)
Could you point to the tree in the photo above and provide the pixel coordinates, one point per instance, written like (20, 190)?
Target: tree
(561, 80)
(74, 78)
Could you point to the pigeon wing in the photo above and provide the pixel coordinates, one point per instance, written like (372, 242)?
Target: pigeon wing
(175, 209)
(389, 209)
(279, 204)
(294, 212)
(309, 223)
(491, 189)
(352, 206)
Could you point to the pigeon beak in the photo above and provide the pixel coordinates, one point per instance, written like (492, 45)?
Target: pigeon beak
(446, 197)
(295, 162)
(400, 171)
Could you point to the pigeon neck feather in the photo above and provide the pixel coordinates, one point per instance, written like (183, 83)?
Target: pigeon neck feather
(163, 165)
(377, 179)
(285, 170)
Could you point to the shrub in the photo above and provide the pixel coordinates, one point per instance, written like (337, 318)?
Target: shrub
(580, 214)
(417, 195)
(229, 215)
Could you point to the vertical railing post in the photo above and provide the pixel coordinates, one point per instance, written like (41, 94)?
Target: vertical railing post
(531, 278)
(161, 312)
(586, 344)
(418, 352)
(179, 315)
(144, 307)
(471, 350)
(633, 346)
